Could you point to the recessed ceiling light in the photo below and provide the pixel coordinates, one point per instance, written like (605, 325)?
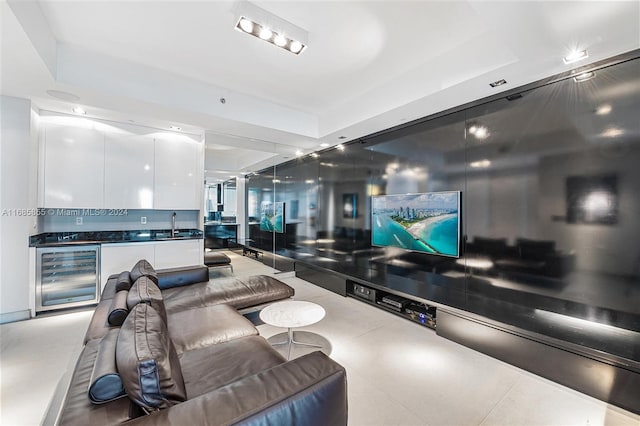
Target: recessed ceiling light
(246, 25)
(612, 132)
(480, 164)
(298, 153)
(295, 46)
(314, 155)
(481, 132)
(603, 109)
(584, 76)
(340, 147)
(79, 110)
(324, 144)
(175, 128)
(308, 181)
(498, 83)
(65, 96)
(265, 33)
(280, 40)
(575, 56)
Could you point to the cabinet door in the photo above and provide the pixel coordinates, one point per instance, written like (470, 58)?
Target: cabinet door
(128, 174)
(177, 178)
(73, 167)
(173, 254)
(118, 257)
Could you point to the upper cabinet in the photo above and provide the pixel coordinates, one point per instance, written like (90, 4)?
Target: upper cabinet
(73, 167)
(112, 168)
(178, 178)
(128, 171)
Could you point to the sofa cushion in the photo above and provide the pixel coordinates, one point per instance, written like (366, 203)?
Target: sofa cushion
(105, 384)
(147, 361)
(143, 269)
(146, 291)
(118, 309)
(123, 282)
(178, 277)
(236, 292)
(215, 366)
(77, 408)
(215, 258)
(206, 326)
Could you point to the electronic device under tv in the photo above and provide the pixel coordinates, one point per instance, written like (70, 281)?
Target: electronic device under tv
(427, 222)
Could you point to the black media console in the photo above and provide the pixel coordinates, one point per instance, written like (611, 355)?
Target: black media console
(413, 310)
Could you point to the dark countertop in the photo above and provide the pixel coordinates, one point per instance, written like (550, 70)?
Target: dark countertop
(53, 239)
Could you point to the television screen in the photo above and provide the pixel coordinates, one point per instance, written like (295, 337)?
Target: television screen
(428, 223)
(272, 216)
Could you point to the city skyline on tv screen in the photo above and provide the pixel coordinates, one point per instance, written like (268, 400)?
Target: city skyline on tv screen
(427, 222)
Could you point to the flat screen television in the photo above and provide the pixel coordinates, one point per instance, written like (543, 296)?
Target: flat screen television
(272, 216)
(428, 222)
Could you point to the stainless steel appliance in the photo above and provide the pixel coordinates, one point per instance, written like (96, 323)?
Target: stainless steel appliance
(67, 276)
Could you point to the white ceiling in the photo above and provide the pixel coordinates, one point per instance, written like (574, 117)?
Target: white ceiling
(369, 65)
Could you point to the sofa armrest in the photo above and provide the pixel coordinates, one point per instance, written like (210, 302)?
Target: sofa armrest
(310, 390)
(177, 277)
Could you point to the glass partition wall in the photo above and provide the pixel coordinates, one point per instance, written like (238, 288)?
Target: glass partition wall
(550, 189)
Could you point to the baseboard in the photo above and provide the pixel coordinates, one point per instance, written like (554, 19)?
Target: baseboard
(15, 316)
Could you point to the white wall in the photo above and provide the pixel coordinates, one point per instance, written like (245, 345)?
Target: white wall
(17, 191)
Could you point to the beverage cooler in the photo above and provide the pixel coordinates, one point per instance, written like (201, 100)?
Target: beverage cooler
(67, 277)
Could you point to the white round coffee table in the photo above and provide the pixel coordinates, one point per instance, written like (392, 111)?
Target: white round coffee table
(292, 314)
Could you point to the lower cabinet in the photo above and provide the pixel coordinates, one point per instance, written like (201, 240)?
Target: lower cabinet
(171, 254)
(118, 257)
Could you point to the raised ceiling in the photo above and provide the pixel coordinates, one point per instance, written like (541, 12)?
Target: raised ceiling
(369, 65)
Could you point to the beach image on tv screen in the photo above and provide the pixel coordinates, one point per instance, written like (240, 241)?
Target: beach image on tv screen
(272, 216)
(426, 222)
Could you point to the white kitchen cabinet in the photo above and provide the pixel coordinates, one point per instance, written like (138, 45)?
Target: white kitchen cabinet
(129, 171)
(73, 167)
(118, 257)
(173, 254)
(178, 181)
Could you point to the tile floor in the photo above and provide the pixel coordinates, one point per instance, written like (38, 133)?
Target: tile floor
(399, 373)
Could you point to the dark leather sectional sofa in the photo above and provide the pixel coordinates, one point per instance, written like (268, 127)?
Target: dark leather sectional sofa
(170, 348)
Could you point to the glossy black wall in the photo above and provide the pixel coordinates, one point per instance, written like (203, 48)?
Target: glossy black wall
(538, 254)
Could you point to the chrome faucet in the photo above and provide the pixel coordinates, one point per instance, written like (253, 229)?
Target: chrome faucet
(174, 231)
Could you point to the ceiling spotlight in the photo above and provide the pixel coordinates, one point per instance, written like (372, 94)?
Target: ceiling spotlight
(175, 128)
(481, 132)
(603, 109)
(584, 76)
(324, 145)
(265, 33)
(314, 155)
(473, 129)
(295, 46)
(308, 181)
(480, 164)
(78, 110)
(280, 40)
(298, 153)
(246, 25)
(612, 132)
(340, 147)
(575, 56)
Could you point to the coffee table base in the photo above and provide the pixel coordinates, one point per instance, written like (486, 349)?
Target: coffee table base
(291, 341)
